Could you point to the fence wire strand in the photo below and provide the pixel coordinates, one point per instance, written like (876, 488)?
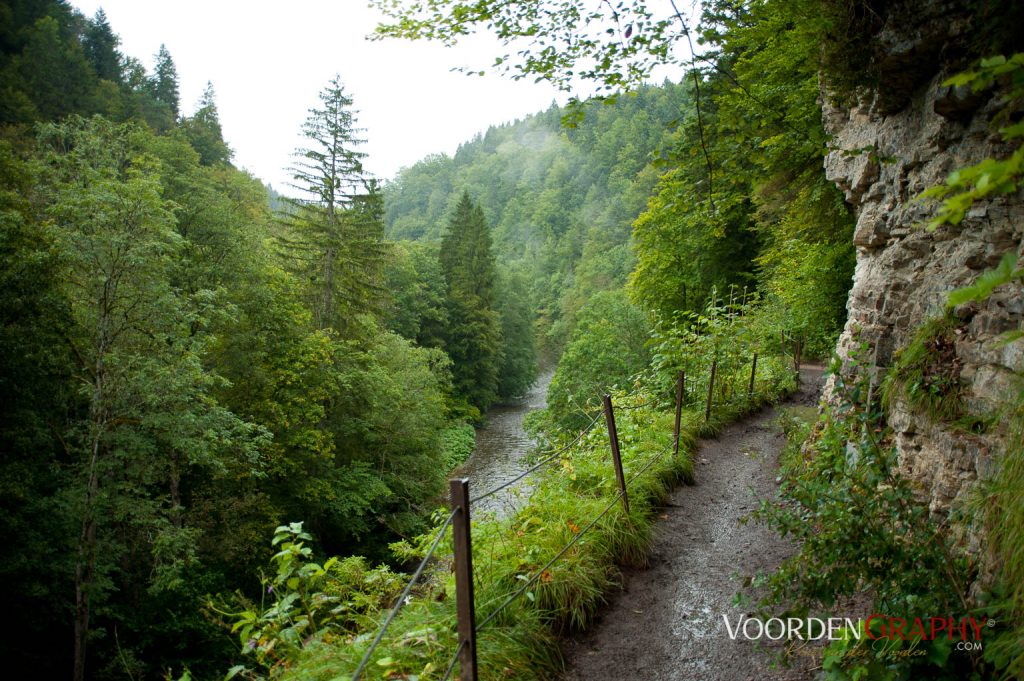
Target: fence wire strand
(648, 464)
(543, 462)
(405, 594)
(455, 658)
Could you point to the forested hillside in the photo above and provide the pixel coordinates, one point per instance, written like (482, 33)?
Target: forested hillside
(184, 369)
(560, 200)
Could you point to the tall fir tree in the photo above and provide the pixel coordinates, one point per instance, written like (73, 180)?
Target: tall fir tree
(204, 132)
(474, 334)
(334, 234)
(100, 45)
(163, 87)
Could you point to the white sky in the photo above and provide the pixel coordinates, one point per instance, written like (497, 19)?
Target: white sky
(269, 60)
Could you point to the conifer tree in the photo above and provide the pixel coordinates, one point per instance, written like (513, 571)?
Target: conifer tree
(100, 45)
(334, 234)
(204, 132)
(163, 87)
(474, 334)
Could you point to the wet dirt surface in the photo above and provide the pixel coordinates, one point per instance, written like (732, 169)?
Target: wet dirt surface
(666, 624)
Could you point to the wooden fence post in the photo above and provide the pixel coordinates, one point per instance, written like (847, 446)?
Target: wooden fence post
(613, 438)
(680, 386)
(711, 390)
(753, 373)
(458, 490)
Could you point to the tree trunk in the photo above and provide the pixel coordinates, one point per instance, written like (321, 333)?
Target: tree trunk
(86, 563)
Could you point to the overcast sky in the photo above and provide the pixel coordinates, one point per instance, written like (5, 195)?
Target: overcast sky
(269, 60)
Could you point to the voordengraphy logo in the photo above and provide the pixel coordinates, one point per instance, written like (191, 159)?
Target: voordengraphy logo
(876, 627)
(791, 628)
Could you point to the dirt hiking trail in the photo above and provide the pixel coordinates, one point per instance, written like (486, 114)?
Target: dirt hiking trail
(666, 624)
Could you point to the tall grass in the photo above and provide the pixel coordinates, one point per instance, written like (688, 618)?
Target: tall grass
(1002, 508)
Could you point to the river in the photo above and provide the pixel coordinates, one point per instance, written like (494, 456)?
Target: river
(501, 446)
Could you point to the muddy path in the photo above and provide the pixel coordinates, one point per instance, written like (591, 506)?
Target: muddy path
(666, 624)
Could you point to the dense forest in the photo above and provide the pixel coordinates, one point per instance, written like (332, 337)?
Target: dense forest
(191, 360)
(185, 369)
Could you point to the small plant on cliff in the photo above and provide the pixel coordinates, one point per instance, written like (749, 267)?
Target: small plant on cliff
(927, 372)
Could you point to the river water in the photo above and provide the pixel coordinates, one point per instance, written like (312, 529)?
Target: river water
(501, 447)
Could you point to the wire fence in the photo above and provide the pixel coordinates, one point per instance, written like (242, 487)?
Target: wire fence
(529, 582)
(460, 514)
(405, 595)
(451, 663)
(402, 600)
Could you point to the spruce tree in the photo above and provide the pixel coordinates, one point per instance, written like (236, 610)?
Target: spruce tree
(204, 132)
(163, 90)
(100, 45)
(474, 335)
(334, 234)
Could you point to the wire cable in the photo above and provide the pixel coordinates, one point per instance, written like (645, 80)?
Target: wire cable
(648, 464)
(405, 595)
(543, 462)
(455, 658)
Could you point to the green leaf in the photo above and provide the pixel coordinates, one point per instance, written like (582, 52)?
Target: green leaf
(234, 671)
(987, 282)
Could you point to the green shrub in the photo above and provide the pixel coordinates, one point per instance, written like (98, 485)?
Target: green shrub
(457, 443)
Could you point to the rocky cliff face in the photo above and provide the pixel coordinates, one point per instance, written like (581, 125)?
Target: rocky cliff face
(882, 160)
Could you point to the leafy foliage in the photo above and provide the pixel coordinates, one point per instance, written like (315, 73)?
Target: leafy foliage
(307, 602)
(990, 177)
(167, 395)
(607, 350)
